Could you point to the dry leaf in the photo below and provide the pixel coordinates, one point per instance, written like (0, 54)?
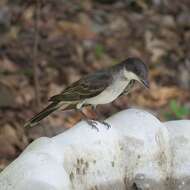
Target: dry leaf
(81, 31)
(9, 141)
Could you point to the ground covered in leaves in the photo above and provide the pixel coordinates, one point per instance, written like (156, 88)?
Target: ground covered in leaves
(78, 37)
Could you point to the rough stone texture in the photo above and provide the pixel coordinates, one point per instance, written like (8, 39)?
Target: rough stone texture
(138, 152)
(179, 132)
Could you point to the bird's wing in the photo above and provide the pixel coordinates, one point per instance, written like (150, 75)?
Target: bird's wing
(87, 87)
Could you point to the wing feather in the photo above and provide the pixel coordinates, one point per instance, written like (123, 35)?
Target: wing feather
(87, 87)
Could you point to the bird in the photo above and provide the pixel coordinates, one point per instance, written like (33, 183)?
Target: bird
(101, 87)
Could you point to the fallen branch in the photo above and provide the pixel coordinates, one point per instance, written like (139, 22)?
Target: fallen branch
(35, 55)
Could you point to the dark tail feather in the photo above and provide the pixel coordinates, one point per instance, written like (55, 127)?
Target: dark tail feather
(44, 113)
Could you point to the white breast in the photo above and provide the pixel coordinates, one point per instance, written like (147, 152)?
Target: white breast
(110, 93)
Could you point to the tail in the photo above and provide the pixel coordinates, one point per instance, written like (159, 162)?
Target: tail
(44, 113)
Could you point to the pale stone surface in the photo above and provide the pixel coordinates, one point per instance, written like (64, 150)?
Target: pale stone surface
(179, 132)
(138, 152)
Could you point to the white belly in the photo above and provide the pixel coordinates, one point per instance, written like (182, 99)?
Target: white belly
(109, 94)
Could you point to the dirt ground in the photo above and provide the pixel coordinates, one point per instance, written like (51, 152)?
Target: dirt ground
(57, 42)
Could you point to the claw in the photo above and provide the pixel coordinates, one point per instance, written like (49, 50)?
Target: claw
(106, 124)
(92, 124)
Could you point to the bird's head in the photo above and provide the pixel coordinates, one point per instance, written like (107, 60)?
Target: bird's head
(135, 69)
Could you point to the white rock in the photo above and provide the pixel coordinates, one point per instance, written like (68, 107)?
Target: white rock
(134, 154)
(179, 132)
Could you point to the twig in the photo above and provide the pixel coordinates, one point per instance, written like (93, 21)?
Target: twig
(35, 62)
(35, 55)
(47, 132)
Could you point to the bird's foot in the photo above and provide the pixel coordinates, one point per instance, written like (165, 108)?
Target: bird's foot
(92, 123)
(106, 124)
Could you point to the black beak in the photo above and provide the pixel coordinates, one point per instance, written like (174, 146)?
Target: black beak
(146, 83)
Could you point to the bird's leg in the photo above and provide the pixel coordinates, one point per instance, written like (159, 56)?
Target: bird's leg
(90, 122)
(98, 116)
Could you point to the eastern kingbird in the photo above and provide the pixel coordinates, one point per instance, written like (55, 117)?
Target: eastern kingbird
(100, 87)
